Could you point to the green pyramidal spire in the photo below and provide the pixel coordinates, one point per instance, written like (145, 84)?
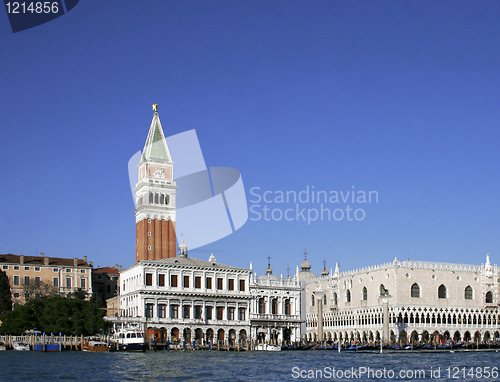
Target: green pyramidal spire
(156, 146)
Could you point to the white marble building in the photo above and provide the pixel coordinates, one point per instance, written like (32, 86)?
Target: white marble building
(275, 312)
(427, 301)
(183, 298)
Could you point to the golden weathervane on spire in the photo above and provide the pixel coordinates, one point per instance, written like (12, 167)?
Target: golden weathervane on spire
(155, 107)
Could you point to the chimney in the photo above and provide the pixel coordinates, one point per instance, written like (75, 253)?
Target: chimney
(91, 263)
(21, 259)
(75, 262)
(41, 254)
(46, 260)
(116, 266)
(85, 258)
(120, 267)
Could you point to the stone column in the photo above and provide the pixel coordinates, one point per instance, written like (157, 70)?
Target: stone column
(319, 299)
(385, 297)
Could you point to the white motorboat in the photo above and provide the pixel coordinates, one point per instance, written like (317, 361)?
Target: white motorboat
(130, 338)
(267, 347)
(20, 346)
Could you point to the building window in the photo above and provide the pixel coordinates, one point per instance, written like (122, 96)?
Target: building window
(287, 306)
(37, 269)
(149, 279)
(26, 280)
(173, 281)
(55, 270)
(162, 310)
(82, 270)
(415, 290)
(242, 285)
(197, 312)
(335, 299)
(68, 270)
(55, 282)
(324, 300)
(174, 311)
(156, 199)
(241, 314)
(230, 313)
(186, 281)
(167, 198)
(16, 267)
(348, 296)
(68, 282)
(231, 284)
(185, 311)
(5, 267)
(365, 294)
(149, 310)
(83, 283)
(150, 201)
(220, 312)
(209, 282)
(274, 306)
(37, 280)
(262, 306)
(312, 300)
(161, 280)
(197, 282)
(442, 291)
(489, 298)
(16, 280)
(208, 312)
(468, 293)
(162, 199)
(219, 283)
(17, 295)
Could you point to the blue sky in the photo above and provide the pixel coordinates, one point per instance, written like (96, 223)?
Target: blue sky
(398, 97)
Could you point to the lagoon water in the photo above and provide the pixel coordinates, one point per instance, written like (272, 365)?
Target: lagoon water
(247, 366)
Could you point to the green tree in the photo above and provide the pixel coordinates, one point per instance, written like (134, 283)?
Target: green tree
(5, 294)
(70, 316)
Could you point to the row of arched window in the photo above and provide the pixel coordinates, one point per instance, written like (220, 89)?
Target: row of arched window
(274, 306)
(158, 198)
(415, 292)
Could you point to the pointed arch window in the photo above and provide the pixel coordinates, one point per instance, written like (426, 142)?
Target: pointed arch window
(365, 294)
(468, 294)
(442, 291)
(324, 300)
(335, 299)
(167, 199)
(312, 300)
(489, 298)
(156, 199)
(348, 296)
(162, 199)
(150, 197)
(415, 290)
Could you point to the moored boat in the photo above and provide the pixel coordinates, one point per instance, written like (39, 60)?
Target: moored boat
(129, 339)
(267, 347)
(96, 346)
(20, 346)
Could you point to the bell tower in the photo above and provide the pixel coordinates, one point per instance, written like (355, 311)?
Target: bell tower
(155, 198)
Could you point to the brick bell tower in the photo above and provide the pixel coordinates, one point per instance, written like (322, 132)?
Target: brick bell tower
(155, 198)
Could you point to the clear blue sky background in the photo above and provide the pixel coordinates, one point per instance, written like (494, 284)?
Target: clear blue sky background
(401, 97)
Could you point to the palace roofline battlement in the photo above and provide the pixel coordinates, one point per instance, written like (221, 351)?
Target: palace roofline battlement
(414, 264)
